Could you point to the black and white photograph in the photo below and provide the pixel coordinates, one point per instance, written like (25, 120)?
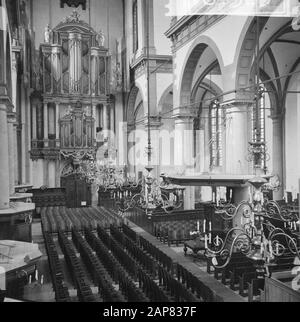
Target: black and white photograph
(149, 154)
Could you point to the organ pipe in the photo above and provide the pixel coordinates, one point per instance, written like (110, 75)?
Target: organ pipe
(75, 62)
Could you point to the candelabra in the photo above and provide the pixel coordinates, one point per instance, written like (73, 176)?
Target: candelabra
(264, 233)
(153, 195)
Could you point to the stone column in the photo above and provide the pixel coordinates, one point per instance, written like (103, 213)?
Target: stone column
(34, 123)
(57, 127)
(46, 138)
(51, 174)
(4, 163)
(277, 156)
(105, 119)
(16, 156)
(237, 138)
(11, 119)
(112, 118)
(122, 144)
(46, 172)
(206, 139)
(95, 120)
(14, 77)
(184, 157)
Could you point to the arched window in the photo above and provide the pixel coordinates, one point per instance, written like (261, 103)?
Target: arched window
(216, 134)
(258, 126)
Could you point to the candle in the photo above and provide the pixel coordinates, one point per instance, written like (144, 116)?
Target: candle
(210, 226)
(270, 248)
(36, 275)
(230, 194)
(217, 240)
(204, 226)
(295, 226)
(30, 279)
(205, 241)
(198, 225)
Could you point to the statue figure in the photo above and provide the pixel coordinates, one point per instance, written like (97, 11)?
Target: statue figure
(101, 38)
(74, 17)
(47, 34)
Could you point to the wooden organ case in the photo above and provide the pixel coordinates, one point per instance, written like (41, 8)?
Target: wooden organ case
(70, 78)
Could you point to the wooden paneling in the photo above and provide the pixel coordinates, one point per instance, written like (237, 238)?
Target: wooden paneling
(277, 291)
(78, 192)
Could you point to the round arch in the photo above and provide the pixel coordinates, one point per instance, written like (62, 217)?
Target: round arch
(164, 97)
(200, 44)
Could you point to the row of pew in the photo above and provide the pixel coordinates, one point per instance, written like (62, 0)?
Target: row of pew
(122, 265)
(66, 219)
(243, 276)
(167, 287)
(116, 270)
(182, 274)
(84, 291)
(56, 271)
(99, 274)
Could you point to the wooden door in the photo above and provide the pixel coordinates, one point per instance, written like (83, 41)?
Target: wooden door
(78, 192)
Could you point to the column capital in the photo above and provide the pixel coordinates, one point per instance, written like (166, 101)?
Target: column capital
(11, 118)
(5, 100)
(185, 112)
(237, 103)
(277, 117)
(155, 121)
(130, 127)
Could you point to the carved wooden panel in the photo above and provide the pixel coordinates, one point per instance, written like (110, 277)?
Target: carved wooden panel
(73, 3)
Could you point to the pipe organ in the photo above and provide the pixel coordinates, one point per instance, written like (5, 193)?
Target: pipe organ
(70, 92)
(74, 62)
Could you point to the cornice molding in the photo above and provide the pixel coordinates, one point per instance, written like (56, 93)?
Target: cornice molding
(158, 64)
(188, 28)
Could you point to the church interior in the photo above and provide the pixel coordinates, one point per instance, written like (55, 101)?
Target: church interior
(149, 156)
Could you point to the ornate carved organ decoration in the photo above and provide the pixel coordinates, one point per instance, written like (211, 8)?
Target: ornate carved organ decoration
(76, 129)
(71, 73)
(74, 60)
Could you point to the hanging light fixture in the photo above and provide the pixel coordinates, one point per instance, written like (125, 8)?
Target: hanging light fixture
(296, 21)
(257, 150)
(151, 195)
(258, 238)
